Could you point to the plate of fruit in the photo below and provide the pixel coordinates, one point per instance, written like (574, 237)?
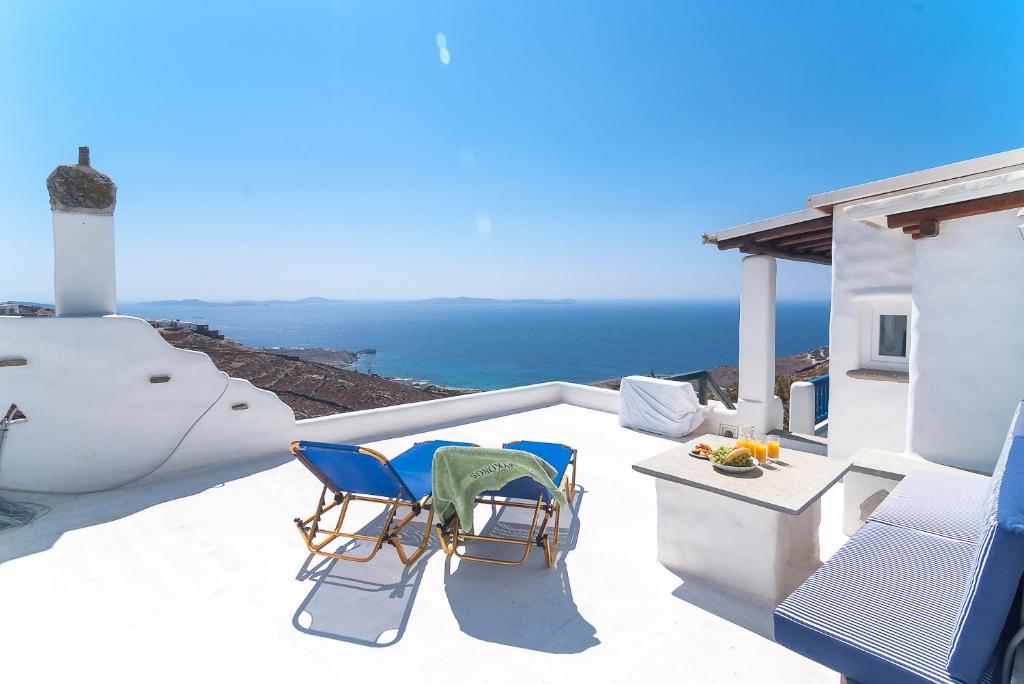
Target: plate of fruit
(702, 450)
(733, 459)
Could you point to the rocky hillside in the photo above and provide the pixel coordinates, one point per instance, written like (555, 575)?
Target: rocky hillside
(788, 369)
(311, 389)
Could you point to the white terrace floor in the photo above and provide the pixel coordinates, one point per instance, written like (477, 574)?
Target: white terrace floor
(205, 577)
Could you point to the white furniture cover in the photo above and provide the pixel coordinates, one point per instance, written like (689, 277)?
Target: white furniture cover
(664, 407)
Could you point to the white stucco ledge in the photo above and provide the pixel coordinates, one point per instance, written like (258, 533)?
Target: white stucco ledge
(873, 474)
(878, 375)
(807, 443)
(895, 466)
(381, 423)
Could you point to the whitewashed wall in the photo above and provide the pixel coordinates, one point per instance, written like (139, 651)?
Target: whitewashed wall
(868, 265)
(967, 356)
(95, 421)
(83, 254)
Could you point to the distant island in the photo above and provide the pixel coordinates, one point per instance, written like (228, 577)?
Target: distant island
(491, 300)
(325, 300)
(242, 302)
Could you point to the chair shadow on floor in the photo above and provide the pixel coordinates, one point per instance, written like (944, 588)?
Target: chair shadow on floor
(530, 606)
(364, 603)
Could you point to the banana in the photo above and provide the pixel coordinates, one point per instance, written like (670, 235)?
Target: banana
(737, 454)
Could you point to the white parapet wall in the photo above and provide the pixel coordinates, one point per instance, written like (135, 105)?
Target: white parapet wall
(108, 402)
(379, 423)
(801, 408)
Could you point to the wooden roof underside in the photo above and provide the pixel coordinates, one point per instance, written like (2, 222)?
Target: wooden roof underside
(809, 241)
(924, 222)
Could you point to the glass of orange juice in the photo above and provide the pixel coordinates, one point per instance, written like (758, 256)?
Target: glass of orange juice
(760, 448)
(773, 446)
(746, 438)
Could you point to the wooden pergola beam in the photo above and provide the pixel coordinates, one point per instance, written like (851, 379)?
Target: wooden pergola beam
(817, 249)
(753, 248)
(820, 242)
(801, 239)
(945, 212)
(780, 232)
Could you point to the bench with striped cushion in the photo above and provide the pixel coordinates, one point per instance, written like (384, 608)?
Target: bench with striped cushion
(923, 592)
(883, 609)
(998, 564)
(948, 504)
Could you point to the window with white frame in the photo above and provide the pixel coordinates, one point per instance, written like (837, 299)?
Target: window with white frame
(890, 338)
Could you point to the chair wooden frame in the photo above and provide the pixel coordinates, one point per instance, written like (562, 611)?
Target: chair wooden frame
(312, 527)
(450, 537)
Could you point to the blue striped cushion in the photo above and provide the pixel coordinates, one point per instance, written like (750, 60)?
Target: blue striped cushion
(998, 564)
(883, 609)
(943, 503)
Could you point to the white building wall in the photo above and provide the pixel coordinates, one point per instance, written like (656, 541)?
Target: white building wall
(96, 421)
(967, 351)
(868, 265)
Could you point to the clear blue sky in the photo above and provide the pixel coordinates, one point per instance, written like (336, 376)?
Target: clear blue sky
(567, 149)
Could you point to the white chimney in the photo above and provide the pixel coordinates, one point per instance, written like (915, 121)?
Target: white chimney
(82, 201)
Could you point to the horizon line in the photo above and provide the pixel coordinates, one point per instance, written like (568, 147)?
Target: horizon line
(345, 300)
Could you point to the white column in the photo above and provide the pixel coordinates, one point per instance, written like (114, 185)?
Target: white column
(757, 342)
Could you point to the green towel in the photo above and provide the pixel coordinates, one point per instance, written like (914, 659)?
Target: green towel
(461, 473)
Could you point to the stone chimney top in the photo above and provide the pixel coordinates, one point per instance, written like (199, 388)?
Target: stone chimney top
(80, 188)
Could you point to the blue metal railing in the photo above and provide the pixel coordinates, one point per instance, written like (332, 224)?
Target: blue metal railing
(820, 398)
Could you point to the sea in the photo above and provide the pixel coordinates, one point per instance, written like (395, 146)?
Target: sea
(490, 344)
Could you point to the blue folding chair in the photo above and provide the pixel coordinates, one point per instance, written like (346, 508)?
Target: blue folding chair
(353, 473)
(516, 494)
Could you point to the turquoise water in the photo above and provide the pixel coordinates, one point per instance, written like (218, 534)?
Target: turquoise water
(489, 345)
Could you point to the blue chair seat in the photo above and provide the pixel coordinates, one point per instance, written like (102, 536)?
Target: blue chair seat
(943, 503)
(883, 609)
(355, 473)
(414, 465)
(557, 456)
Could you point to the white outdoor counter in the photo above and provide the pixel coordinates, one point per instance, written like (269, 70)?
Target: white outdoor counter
(752, 534)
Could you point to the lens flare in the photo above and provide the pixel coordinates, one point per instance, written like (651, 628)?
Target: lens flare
(483, 224)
